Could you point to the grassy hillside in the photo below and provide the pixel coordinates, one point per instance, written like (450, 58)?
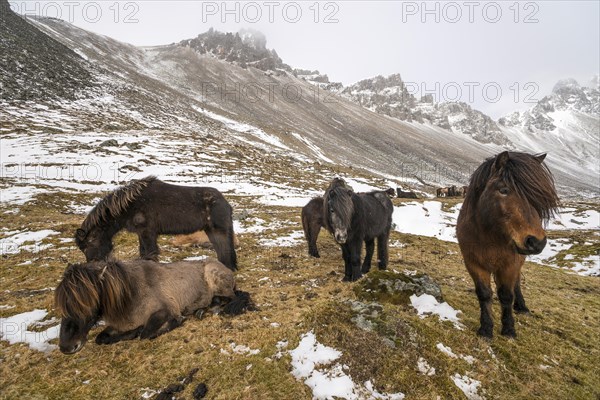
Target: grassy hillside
(555, 356)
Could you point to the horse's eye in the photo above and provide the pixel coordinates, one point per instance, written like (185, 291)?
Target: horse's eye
(504, 191)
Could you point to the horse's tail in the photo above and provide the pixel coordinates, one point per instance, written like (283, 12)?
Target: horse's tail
(240, 303)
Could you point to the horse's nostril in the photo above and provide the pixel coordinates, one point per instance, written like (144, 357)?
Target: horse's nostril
(533, 243)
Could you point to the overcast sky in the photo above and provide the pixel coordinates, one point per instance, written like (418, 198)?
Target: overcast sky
(494, 55)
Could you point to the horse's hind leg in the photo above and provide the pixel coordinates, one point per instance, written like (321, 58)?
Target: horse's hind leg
(223, 243)
(370, 249)
(382, 250)
(312, 235)
(162, 321)
(483, 288)
(519, 305)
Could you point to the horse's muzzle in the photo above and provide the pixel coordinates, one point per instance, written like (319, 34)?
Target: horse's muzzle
(71, 350)
(532, 246)
(340, 238)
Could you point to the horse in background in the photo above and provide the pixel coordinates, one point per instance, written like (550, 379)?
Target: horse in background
(150, 207)
(312, 222)
(356, 217)
(140, 298)
(510, 196)
(401, 194)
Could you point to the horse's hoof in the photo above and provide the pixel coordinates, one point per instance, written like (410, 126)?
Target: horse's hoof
(199, 314)
(509, 333)
(355, 278)
(485, 333)
(382, 267)
(346, 279)
(522, 310)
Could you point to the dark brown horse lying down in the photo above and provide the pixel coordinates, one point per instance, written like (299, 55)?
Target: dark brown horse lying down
(140, 298)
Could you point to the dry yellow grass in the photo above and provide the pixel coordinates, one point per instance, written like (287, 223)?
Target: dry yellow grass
(303, 294)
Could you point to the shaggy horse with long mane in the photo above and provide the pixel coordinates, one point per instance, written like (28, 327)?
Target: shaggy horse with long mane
(150, 207)
(501, 221)
(140, 298)
(356, 217)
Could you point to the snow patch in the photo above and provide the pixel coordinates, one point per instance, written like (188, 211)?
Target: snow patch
(426, 219)
(469, 386)
(309, 363)
(426, 304)
(15, 243)
(15, 330)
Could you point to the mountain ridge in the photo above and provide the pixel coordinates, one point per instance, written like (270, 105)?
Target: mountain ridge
(164, 87)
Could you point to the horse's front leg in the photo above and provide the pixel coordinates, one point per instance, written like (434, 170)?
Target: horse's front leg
(382, 250)
(506, 280)
(519, 305)
(347, 265)
(483, 288)
(162, 321)
(370, 249)
(148, 245)
(110, 335)
(355, 248)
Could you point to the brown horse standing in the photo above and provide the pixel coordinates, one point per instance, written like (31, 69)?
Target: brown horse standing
(500, 222)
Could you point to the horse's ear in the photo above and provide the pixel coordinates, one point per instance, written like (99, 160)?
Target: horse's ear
(540, 157)
(501, 160)
(80, 234)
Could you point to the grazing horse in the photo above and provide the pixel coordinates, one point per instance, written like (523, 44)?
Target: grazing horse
(356, 217)
(140, 298)
(312, 222)
(441, 192)
(501, 221)
(150, 207)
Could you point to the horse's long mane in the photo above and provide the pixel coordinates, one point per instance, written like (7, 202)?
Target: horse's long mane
(530, 178)
(114, 203)
(338, 197)
(96, 287)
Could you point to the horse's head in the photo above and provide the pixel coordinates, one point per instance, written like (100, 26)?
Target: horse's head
(517, 197)
(88, 292)
(95, 243)
(73, 334)
(78, 300)
(339, 209)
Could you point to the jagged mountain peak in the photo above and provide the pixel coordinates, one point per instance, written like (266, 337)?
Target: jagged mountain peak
(566, 84)
(567, 96)
(246, 48)
(389, 95)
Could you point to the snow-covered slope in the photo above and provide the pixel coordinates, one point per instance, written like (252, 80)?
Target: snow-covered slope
(566, 124)
(192, 88)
